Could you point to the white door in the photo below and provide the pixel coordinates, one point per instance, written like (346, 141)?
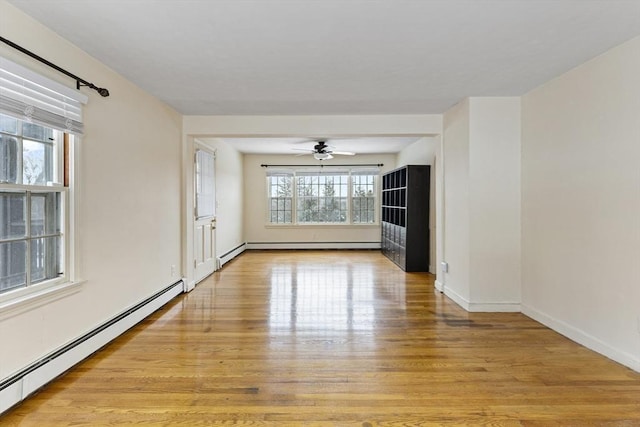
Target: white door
(204, 214)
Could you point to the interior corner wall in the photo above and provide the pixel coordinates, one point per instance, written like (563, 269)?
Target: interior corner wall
(456, 128)
(581, 204)
(128, 195)
(481, 145)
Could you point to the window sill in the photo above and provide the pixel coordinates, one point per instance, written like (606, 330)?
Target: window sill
(25, 299)
(298, 226)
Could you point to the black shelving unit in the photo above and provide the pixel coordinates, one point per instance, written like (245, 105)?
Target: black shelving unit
(405, 217)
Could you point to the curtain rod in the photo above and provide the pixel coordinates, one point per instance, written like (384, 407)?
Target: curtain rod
(102, 91)
(321, 165)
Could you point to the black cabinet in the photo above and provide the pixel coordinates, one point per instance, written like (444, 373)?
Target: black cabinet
(405, 217)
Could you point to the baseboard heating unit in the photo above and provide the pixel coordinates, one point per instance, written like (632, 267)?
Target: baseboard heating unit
(20, 385)
(228, 256)
(313, 245)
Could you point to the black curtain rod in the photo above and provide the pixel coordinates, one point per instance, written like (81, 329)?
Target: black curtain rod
(321, 165)
(102, 91)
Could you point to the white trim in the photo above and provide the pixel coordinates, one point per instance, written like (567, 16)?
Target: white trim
(494, 307)
(313, 245)
(188, 286)
(582, 338)
(52, 368)
(25, 299)
(231, 254)
(478, 307)
(457, 298)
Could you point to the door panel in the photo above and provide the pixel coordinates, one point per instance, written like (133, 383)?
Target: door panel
(204, 214)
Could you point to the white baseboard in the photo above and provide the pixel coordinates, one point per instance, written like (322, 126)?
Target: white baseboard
(228, 256)
(494, 307)
(19, 386)
(457, 298)
(439, 286)
(479, 307)
(582, 337)
(313, 245)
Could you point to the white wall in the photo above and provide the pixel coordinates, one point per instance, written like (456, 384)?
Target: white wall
(129, 198)
(482, 204)
(229, 195)
(494, 203)
(255, 193)
(456, 203)
(581, 203)
(423, 152)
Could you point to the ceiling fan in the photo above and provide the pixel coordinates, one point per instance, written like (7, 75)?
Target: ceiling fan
(322, 151)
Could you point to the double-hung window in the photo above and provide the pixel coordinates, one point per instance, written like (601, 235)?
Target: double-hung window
(304, 197)
(38, 121)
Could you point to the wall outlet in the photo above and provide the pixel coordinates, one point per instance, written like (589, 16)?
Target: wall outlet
(444, 266)
(173, 270)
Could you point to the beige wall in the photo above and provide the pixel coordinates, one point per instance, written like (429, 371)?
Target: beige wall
(255, 193)
(129, 197)
(581, 203)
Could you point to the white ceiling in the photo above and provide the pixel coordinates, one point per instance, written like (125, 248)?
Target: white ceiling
(316, 57)
(284, 57)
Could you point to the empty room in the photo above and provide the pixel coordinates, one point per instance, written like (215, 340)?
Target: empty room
(329, 213)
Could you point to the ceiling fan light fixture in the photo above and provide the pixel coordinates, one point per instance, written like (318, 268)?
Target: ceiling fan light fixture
(322, 156)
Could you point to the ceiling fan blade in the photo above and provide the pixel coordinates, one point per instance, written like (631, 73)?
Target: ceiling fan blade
(344, 153)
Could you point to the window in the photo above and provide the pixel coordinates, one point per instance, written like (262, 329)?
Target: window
(335, 197)
(38, 121)
(31, 199)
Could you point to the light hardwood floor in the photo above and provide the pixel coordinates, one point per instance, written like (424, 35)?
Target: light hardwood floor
(334, 338)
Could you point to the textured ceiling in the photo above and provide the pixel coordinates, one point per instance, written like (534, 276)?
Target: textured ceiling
(281, 57)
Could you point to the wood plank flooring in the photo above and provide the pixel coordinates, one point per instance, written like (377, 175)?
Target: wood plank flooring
(334, 338)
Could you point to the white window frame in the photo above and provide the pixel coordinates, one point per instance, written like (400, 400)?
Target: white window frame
(294, 217)
(49, 102)
(34, 292)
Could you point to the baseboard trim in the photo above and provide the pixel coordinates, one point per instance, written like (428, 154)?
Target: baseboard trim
(20, 385)
(582, 338)
(479, 307)
(313, 245)
(457, 298)
(225, 258)
(439, 286)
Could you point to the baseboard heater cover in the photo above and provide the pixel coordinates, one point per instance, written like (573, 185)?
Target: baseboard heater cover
(228, 256)
(313, 245)
(20, 385)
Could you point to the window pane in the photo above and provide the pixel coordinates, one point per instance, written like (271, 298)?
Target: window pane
(45, 214)
(205, 188)
(45, 259)
(37, 163)
(12, 216)
(8, 159)
(13, 272)
(33, 131)
(8, 124)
